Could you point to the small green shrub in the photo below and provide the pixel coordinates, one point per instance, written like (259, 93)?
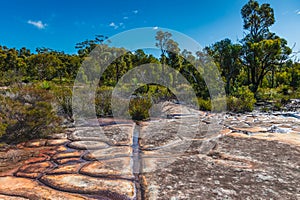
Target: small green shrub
(139, 108)
(204, 105)
(242, 101)
(267, 94)
(103, 101)
(158, 93)
(63, 97)
(277, 105)
(26, 113)
(45, 85)
(219, 104)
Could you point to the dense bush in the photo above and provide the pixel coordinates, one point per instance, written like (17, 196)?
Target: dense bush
(26, 113)
(242, 101)
(267, 94)
(103, 101)
(204, 105)
(63, 99)
(139, 103)
(139, 108)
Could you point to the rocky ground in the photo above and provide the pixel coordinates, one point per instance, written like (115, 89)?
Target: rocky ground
(187, 155)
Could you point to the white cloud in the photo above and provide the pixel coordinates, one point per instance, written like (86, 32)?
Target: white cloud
(135, 11)
(122, 25)
(125, 17)
(155, 27)
(112, 24)
(116, 26)
(39, 24)
(298, 13)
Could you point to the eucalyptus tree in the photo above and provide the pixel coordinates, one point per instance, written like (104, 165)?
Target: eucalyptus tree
(263, 51)
(227, 57)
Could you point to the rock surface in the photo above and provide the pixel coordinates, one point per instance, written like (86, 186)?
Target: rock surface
(115, 189)
(25, 188)
(60, 167)
(186, 154)
(113, 168)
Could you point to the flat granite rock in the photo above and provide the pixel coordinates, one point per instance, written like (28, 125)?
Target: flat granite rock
(238, 167)
(256, 129)
(61, 149)
(56, 142)
(7, 197)
(36, 167)
(114, 168)
(87, 133)
(35, 143)
(165, 132)
(29, 189)
(117, 134)
(74, 154)
(88, 145)
(159, 133)
(34, 170)
(27, 175)
(108, 153)
(66, 169)
(114, 189)
(64, 161)
(36, 159)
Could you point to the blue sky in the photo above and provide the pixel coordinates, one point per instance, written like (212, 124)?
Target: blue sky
(61, 24)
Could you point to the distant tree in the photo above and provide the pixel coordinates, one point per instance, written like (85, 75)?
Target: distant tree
(227, 57)
(167, 46)
(12, 64)
(170, 52)
(263, 51)
(43, 66)
(85, 47)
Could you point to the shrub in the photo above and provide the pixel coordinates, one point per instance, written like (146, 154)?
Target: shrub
(204, 105)
(160, 93)
(219, 104)
(103, 101)
(139, 108)
(242, 101)
(45, 85)
(267, 94)
(26, 113)
(63, 97)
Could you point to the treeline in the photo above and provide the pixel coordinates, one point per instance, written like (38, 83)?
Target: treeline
(260, 67)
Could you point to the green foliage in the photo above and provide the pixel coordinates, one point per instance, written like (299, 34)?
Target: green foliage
(227, 57)
(26, 113)
(267, 94)
(63, 99)
(103, 101)
(204, 105)
(139, 108)
(263, 51)
(159, 93)
(242, 101)
(45, 85)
